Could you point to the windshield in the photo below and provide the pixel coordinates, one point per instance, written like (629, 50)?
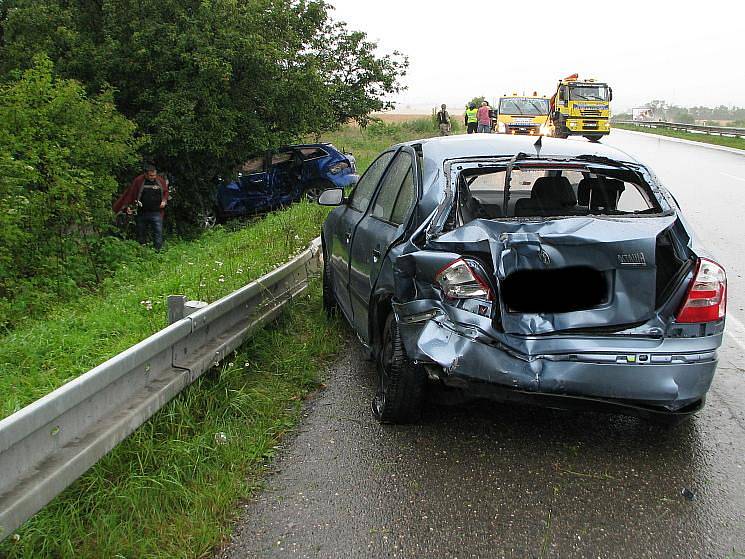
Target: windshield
(523, 106)
(588, 92)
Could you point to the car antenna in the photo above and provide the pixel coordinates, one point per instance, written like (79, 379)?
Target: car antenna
(538, 145)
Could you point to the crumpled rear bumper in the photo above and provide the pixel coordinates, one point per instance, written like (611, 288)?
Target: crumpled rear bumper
(656, 379)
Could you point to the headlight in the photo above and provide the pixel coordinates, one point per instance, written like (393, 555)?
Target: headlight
(501, 127)
(572, 124)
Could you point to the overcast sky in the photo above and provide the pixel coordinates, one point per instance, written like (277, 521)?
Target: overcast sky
(683, 52)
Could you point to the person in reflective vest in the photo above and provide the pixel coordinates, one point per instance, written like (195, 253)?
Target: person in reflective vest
(472, 119)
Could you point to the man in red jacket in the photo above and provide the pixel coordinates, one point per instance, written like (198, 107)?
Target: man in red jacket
(148, 193)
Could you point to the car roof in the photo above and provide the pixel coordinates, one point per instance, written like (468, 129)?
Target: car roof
(489, 145)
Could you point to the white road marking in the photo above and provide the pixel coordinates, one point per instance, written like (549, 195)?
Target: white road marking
(736, 331)
(732, 176)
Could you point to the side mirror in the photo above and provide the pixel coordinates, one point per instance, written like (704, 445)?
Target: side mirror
(610, 92)
(331, 197)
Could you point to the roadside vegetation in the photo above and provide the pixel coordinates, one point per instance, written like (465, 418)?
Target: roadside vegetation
(366, 143)
(738, 143)
(90, 90)
(170, 489)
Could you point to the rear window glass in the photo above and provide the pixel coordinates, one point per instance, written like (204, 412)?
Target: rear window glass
(312, 153)
(549, 192)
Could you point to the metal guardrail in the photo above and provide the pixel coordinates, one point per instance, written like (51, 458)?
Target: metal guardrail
(47, 445)
(718, 130)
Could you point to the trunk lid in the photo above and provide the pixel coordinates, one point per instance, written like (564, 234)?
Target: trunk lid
(569, 273)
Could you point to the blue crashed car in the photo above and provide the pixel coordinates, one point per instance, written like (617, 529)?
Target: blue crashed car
(281, 177)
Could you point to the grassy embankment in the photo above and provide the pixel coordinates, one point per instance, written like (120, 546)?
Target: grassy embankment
(171, 488)
(738, 143)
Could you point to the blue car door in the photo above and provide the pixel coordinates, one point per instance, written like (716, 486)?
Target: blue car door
(345, 219)
(381, 226)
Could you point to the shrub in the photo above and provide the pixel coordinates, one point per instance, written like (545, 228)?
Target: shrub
(59, 153)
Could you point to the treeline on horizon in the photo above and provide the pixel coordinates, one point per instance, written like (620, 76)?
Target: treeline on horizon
(89, 89)
(690, 115)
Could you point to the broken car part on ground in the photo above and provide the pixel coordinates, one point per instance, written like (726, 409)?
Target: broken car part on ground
(555, 271)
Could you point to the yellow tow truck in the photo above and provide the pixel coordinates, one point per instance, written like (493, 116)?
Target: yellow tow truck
(520, 114)
(580, 108)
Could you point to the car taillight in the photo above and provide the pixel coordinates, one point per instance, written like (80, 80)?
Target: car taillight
(336, 168)
(706, 299)
(458, 281)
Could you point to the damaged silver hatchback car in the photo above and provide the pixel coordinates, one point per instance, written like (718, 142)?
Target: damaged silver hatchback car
(555, 272)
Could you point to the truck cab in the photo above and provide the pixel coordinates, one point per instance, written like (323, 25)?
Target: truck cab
(581, 108)
(518, 114)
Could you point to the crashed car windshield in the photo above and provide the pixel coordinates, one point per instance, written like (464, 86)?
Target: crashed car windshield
(559, 271)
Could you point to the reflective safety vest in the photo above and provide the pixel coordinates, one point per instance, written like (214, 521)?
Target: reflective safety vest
(471, 114)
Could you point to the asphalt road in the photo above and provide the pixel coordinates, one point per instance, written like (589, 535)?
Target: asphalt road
(492, 480)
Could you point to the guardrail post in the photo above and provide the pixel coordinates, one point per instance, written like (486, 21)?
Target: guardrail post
(176, 308)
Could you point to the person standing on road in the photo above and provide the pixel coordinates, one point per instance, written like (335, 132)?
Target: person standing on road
(484, 119)
(149, 194)
(443, 120)
(471, 118)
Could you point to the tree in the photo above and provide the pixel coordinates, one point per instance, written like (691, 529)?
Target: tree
(477, 101)
(211, 82)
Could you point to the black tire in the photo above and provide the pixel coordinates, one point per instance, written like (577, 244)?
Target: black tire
(401, 384)
(314, 189)
(594, 139)
(329, 300)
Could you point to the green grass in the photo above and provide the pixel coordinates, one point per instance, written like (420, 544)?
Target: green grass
(738, 143)
(43, 354)
(367, 143)
(170, 489)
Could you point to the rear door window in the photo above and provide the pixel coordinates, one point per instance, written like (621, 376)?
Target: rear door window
(397, 185)
(365, 188)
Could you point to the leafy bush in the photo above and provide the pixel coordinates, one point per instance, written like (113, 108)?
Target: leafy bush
(59, 153)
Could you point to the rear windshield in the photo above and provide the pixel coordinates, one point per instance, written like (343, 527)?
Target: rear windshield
(547, 192)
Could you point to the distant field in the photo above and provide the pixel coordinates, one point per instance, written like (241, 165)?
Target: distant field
(399, 117)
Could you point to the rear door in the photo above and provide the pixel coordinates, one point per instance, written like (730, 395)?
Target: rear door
(378, 229)
(346, 218)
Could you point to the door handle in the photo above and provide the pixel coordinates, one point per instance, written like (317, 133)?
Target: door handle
(347, 237)
(376, 255)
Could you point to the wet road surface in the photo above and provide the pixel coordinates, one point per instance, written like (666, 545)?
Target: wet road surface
(495, 480)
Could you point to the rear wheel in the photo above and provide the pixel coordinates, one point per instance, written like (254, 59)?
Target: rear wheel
(313, 191)
(400, 383)
(208, 217)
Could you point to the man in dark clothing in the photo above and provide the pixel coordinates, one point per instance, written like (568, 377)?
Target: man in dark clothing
(148, 193)
(443, 121)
